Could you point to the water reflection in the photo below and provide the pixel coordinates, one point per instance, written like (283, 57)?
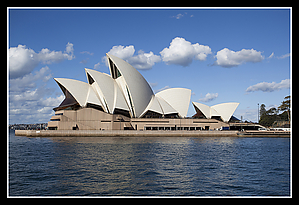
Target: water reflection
(149, 166)
(136, 165)
(121, 165)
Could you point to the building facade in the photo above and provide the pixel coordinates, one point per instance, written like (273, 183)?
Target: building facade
(124, 100)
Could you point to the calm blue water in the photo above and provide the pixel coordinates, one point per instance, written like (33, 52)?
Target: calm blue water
(149, 166)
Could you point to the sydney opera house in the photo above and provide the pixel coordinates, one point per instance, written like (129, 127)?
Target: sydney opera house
(124, 100)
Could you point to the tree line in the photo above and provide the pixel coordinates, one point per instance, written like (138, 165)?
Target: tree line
(268, 117)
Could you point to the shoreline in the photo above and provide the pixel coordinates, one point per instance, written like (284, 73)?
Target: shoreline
(144, 133)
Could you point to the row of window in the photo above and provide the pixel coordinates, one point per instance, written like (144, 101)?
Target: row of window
(177, 128)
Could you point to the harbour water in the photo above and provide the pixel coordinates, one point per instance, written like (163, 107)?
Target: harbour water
(148, 166)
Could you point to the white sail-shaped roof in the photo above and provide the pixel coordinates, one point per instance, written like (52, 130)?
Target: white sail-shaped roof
(206, 110)
(154, 106)
(224, 110)
(167, 109)
(178, 98)
(107, 90)
(92, 97)
(135, 88)
(78, 89)
(106, 86)
(119, 100)
(124, 90)
(159, 105)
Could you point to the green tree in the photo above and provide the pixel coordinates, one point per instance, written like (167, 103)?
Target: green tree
(268, 117)
(262, 110)
(271, 111)
(286, 105)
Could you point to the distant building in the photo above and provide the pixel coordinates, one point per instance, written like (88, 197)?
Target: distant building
(125, 100)
(36, 126)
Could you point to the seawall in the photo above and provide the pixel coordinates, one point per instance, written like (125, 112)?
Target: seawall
(133, 133)
(122, 133)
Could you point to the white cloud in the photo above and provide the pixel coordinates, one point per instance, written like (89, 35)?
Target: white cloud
(141, 61)
(69, 51)
(23, 60)
(53, 101)
(279, 57)
(144, 60)
(271, 56)
(269, 87)
(97, 66)
(284, 56)
(29, 98)
(178, 16)
(209, 97)
(228, 58)
(201, 51)
(182, 52)
(87, 52)
(122, 52)
(28, 81)
(33, 111)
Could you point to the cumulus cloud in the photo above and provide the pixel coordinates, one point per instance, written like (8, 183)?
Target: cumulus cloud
(29, 100)
(182, 52)
(23, 60)
(32, 111)
(141, 61)
(28, 81)
(97, 66)
(122, 52)
(209, 97)
(144, 60)
(269, 87)
(228, 58)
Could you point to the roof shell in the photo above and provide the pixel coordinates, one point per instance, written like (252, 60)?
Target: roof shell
(107, 90)
(178, 98)
(159, 105)
(78, 89)
(154, 105)
(166, 108)
(205, 109)
(224, 110)
(92, 97)
(139, 90)
(125, 89)
(119, 99)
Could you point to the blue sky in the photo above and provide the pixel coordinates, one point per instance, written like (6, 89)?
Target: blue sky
(222, 55)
